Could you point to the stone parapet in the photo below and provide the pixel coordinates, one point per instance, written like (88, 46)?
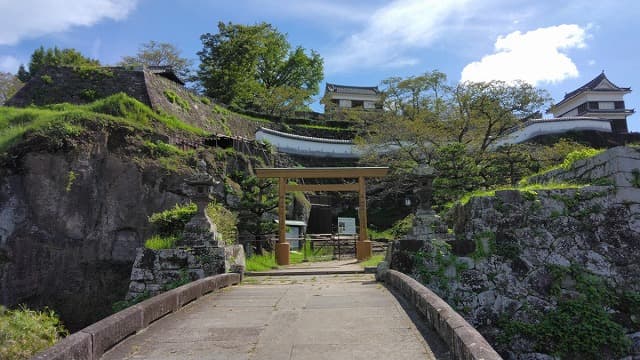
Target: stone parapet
(464, 341)
(93, 341)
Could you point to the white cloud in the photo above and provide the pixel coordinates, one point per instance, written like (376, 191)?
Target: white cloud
(392, 31)
(9, 64)
(31, 18)
(327, 12)
(537, 56)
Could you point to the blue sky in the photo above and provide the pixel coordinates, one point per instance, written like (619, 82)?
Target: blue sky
(556, 45)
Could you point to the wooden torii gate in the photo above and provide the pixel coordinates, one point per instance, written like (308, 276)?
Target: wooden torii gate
(363, 245)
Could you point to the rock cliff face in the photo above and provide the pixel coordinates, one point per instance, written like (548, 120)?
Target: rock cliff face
(523, 264)
(70, 223)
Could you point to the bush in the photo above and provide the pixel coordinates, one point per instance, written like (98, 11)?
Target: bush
(226, 222)
(580, 327)
(402, 226)
(171, 222)
(576, 155)
(176, 99)
(25, 332)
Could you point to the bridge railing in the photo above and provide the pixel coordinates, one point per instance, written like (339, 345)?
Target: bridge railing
(463, 340)
(93, 341)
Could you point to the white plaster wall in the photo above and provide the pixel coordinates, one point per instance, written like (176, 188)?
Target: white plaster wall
(586, 97)
(295, 146)
(551, 127)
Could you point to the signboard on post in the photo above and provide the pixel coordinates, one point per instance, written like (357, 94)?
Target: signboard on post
(346, 226)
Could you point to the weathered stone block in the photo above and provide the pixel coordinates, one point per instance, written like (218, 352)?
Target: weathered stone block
(136, 286)
(189, 292)
(111, 330)
(77, 346)
(158, 306)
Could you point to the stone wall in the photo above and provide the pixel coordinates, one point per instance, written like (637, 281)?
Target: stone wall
(154, 270)
(68, 241)
(517, 255)
(80, 85)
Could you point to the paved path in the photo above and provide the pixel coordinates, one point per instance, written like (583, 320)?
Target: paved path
(285, 317)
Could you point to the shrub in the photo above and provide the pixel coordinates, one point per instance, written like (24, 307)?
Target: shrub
(172, 221)
(226, 222)
(160, 148)
(176, 99)
(25, 332)
(402, 226)
(576, 155)
(89, 94)
(581, 327)
(46, 79)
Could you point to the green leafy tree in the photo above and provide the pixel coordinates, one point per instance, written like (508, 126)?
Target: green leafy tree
(240, 61)
(482, 112)
(42, 58)
(258, 197)
(507, 165)
(154, 53)
(9, 85)
(457, 173)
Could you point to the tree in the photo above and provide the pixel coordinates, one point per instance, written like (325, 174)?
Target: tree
(241, 61)
(508, 164)
(485, 111)
(430, 123)
(457, 173)
(9, 85)
(413, 125)
(160, 54)
(42, 58)
(258, 197)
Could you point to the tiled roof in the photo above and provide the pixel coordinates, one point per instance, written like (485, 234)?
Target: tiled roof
(346, 89)
(592, 84)
(165, 71)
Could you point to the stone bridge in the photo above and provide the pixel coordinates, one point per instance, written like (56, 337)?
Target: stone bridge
(312, 314)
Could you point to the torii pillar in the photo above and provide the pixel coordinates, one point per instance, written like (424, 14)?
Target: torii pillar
(363, 245)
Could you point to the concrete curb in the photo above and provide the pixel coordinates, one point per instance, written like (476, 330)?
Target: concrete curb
(465, 342)
(93, 341)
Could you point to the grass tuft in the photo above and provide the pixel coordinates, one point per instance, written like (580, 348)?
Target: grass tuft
(158, 242)
(25, 332)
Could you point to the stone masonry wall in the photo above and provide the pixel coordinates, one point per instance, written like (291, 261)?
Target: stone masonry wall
(80, 85)
(153, 270)
(500, 262)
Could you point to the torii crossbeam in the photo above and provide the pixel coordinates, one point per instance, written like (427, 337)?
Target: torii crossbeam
(363, 245)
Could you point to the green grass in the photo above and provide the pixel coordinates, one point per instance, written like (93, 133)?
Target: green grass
(226, 222)
(568, 162)
(531, 187)
(384, 234)
(25, 332)
(171, 222)
(158, 242)
(267, 261)
(372, 261)
(263, 262)
(62, 120)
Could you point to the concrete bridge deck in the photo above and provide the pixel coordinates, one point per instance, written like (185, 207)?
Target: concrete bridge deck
(286, 317)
